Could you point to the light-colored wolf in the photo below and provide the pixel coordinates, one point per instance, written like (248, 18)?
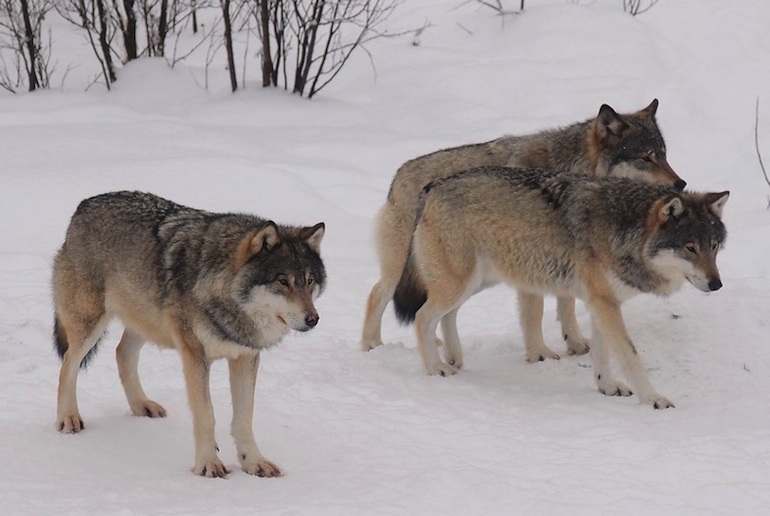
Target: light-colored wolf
(209, 285)
(627, 145)
(601, 240)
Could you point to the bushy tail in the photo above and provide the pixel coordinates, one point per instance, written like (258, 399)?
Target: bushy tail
(410, 293)
(61, 345)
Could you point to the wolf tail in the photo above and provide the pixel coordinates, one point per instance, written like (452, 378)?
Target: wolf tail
(61, 345)
(410, 293)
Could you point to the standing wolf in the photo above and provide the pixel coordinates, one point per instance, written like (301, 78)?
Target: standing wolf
(601, 240)
(209, 285)
(628, 145)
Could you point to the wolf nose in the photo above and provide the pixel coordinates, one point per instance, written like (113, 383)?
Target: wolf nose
(679, 184)
(312, 319)
(715, 284)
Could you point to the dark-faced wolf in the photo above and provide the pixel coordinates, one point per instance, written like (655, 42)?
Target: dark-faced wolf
(209, 285)
(627, 145)
(602, 240)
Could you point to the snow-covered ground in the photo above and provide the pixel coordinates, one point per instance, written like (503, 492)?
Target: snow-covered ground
(370, 433)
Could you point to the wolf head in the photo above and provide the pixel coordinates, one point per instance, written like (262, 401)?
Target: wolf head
(280, 274)
(632, 146)
(686, 234)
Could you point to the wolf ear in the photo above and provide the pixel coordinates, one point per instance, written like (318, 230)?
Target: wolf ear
(609, 123)
(254, 242)
(671, 209)
(313, 236)
(716, 201)
(650, 110)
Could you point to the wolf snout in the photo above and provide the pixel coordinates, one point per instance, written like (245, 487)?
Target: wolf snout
(311, 320)
(679, 185)
(715, 284)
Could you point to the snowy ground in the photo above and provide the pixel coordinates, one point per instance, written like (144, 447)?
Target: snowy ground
(370, 433)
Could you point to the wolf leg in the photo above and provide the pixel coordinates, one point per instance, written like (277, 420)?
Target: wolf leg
(453, 351)
(609, 323)
(376, 303)
(531, 317)
(392, 233)
(600, 361)
(577, 344)
(196, 374)
(127, 357)
(81, 335)
(243, 378)
(426, 322)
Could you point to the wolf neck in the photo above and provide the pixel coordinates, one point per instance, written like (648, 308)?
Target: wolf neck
(634, 273)
(563, 150)
(229, 323)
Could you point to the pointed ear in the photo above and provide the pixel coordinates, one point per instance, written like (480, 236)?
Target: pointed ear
(716, 201)
(313, 236)
(671, 209)
(609, 123)
(650, 110)
(254, 242)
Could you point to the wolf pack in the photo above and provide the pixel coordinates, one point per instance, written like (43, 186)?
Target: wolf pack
(591, 211)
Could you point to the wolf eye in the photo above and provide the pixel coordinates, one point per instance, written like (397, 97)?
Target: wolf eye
(691, 248)
(310, 280)
(283, 281)
(714, 245)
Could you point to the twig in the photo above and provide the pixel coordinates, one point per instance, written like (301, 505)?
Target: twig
(756, 146)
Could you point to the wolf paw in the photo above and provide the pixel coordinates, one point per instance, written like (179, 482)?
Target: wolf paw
(71, 424)
(368, 345)
(442, 369)
(657, 401)
(456, 363)
(260, 467)
(578, 345)
(540, 354)
(213, 468)
(148, 408)
(614, 388)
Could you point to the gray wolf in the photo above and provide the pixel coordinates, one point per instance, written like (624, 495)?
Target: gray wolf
(602, 240)
(627, 145)
(210, 285)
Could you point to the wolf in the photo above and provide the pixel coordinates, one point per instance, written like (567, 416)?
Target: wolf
(210, 285)
(611, 144)
(601, 240)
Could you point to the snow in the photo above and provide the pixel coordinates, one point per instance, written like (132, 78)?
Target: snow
(370, 433)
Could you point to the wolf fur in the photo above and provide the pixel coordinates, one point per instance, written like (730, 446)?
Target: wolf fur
(627, 145)
(601, 240)
(209, 285)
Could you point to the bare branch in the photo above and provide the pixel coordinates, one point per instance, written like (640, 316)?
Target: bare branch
(756, 145)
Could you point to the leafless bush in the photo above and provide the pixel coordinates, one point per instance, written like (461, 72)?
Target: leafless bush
(114, 28)
(25, 56)
(634, 7)
(318, 35)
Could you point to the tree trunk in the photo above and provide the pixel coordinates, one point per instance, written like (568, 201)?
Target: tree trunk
(162, 28)
(129, 31)
(267, 58)
(29, 36)
(229, 43)
(104, 42)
